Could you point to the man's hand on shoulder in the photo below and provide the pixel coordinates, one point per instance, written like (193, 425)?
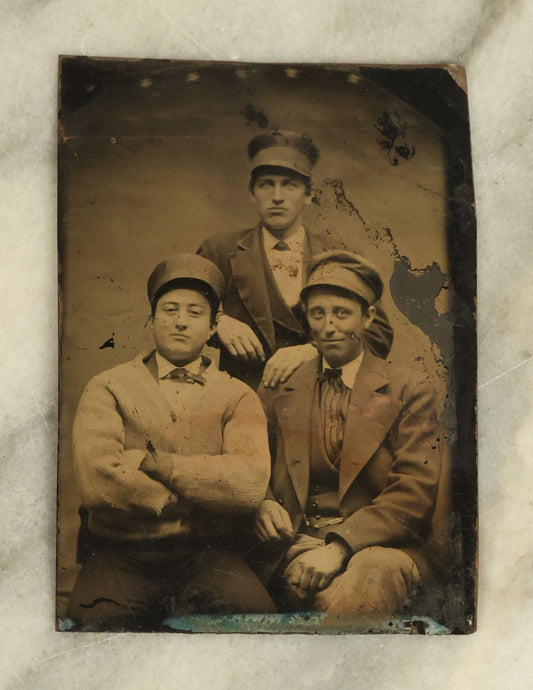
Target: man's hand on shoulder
(284, 363)
(273, 522)
(239, 339)
(315, 569)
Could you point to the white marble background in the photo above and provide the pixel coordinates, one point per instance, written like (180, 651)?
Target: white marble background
(493, 39)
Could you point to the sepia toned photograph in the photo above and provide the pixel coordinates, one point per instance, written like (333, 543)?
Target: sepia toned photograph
(267, 348)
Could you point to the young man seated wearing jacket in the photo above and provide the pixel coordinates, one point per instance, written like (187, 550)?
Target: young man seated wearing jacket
(169, 453)
(356, 462)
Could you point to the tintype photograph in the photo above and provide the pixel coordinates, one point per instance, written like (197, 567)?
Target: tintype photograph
(267, 348)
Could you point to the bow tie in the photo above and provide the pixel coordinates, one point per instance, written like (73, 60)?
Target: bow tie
(182, 375)
(282, 246)
(329, 374)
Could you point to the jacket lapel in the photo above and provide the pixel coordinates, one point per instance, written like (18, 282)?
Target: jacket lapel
(247, 262)
(314, 245)
(294, 412)
(371, 413)
(281, 312)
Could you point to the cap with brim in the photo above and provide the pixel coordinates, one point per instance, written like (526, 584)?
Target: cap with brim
(280, 149)
(185, 267)
(282, 157)
(351, 272)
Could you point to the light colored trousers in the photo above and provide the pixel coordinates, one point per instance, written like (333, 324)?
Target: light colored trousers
(378, 582)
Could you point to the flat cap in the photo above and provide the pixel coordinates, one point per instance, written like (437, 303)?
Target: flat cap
(346, 270)
(281, 149)
(185, 267)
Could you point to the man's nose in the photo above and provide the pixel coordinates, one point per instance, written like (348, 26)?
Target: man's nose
(181, 321)
(330, 324)
(278, 193)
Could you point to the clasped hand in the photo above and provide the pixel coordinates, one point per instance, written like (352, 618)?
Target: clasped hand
(316, 568)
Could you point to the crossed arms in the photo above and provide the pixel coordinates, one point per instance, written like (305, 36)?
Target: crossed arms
(123, 475)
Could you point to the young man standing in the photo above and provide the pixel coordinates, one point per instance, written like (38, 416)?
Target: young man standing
(357, 461)
(266, 267)
(169, 453)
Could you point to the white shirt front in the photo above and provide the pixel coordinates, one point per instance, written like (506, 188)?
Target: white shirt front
(176, 393)
(349, 371)
(286, 265)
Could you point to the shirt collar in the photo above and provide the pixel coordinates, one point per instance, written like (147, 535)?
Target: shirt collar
(349, 371)
(295, 242)
(164, 367)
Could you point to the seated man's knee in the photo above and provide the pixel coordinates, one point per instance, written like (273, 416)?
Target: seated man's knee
(110, 593)
(223, 584)
(291, 597)
(377, 583)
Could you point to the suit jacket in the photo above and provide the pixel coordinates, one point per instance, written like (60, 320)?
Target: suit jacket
(393, 490)
(252, 296)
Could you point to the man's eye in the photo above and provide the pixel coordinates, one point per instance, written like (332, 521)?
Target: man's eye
(341, 313)
(317, 313)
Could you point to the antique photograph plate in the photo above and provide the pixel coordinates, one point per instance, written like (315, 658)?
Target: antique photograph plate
(357, 515)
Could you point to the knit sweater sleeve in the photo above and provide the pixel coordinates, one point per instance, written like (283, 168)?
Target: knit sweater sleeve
(108, 474)
(235, 480)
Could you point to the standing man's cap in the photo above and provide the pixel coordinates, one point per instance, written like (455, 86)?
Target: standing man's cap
(283, 150)
(342, 269)
(185, 267)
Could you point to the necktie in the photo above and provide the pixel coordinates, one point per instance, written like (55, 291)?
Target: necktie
(282, 246)
(329, 374)
(182, 375)
(334, 396)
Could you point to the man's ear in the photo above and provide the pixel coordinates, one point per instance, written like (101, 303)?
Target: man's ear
(369, 316)
(149, 325)
(308, 198)
(213, 327)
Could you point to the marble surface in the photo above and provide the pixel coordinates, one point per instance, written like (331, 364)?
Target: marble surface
(493, 40)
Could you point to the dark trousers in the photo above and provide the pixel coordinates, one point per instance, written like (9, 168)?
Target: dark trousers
(135, 585)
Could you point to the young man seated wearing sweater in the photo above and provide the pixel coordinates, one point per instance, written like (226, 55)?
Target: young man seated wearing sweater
(169, 453)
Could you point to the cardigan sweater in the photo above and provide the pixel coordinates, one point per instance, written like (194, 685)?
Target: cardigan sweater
(217, 454)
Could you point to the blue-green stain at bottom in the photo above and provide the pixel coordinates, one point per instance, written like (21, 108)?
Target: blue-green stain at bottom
(306, 622)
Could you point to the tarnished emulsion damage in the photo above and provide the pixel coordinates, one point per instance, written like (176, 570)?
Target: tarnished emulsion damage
(421, 294)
